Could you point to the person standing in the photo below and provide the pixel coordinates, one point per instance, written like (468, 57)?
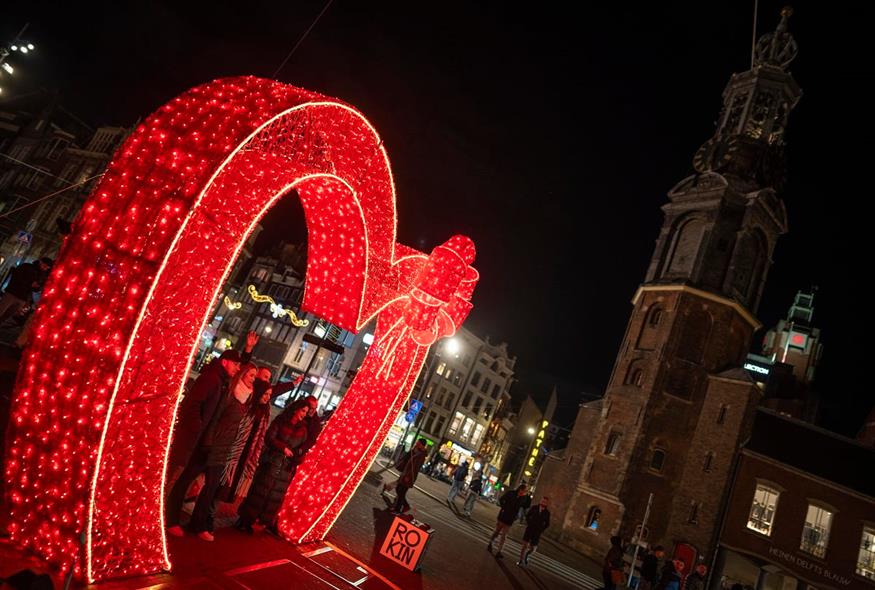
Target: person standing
(473, 493)
(671, 575)
(649, 574)
(240, 468)
(612, 568)
(24, 280)
(276, 468)
(210, 458)
(524, 506)
(537, 521)
(510, 506)
(459, 476)
(198, 406)
(410, 465)
(696, 580)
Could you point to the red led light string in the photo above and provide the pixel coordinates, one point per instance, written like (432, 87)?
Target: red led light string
(133, 286)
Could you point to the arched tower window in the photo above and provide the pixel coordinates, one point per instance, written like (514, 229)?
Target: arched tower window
(694, 336)
(685, 247)
(635, 375)
(749, 264)
(657, 459)
(592, 518)
(649, 335)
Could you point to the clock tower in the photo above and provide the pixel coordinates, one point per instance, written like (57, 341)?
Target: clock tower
(678, 402)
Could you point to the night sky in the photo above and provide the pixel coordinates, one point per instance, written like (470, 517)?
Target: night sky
(550, 137)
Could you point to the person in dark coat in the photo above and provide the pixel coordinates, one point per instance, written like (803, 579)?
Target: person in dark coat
(276, 468)
(525, 504)
(210, 458)
(241, 465)
(459, 476)
(537, 521)
(696, 580)
(314, 425)
(198, 406)
(474, 490)
(612, 568)
(671, 575)
(510, 505)
(409, 468)
(650, 568)
(24, 280)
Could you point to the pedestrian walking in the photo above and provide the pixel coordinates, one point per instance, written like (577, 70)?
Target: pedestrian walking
(649, 574)
(612, 568)
(537, 521)
(473, 493)
(524, 507)
(276, 468)
(510, 506)
(411, 463)
(210, 458)
(459, 476)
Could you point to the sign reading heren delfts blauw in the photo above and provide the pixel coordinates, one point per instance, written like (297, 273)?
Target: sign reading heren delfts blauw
(404, 543)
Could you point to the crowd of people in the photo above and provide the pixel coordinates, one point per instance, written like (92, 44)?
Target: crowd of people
(224, 433)
(655, 573)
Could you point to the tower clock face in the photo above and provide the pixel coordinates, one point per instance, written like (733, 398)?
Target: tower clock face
(715, 154)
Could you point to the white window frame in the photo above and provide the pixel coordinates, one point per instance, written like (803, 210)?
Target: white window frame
(759, 522)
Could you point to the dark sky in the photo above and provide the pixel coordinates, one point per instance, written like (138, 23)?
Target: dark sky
(549, 136)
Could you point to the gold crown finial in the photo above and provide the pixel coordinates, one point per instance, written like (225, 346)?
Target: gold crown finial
(787, 11)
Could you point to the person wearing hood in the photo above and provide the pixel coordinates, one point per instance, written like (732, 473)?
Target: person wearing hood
(210, 458)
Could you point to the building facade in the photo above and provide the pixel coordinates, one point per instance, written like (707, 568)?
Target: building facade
(797, 518)
(49, 164)
(678, 404)
(464, 388)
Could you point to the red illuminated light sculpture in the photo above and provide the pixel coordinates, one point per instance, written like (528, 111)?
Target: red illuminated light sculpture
(118, 325)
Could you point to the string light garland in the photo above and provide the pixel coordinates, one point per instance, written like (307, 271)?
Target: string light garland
(232, 305)
(96, 396)
(276, 309)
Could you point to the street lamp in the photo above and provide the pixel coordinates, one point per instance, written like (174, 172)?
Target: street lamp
(18, 45)
(531, 430)
(451, 346)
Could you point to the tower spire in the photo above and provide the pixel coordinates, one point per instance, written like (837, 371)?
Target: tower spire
(779, 48)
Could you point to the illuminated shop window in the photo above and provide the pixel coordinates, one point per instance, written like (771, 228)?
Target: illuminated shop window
(440, 368)
(815, 533)
(866, 557)
(762, 510)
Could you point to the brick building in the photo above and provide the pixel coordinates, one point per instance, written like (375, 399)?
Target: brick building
(678, 405)
(796, 516)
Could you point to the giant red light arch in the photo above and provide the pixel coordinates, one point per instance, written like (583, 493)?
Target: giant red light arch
(118, 325)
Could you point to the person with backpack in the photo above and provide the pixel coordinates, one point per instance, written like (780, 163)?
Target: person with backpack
(459, 476)
(473, 493)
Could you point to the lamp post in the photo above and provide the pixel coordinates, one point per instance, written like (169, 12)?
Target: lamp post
(451, 346)
(18, 45)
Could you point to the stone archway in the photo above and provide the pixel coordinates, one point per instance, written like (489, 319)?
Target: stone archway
(97, 392)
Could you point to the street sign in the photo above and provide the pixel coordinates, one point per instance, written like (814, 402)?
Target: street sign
(410, 416)
(406, 542)
(415, 406)
(25, 237)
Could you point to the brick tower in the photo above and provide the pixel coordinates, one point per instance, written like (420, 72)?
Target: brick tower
(678, 403)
